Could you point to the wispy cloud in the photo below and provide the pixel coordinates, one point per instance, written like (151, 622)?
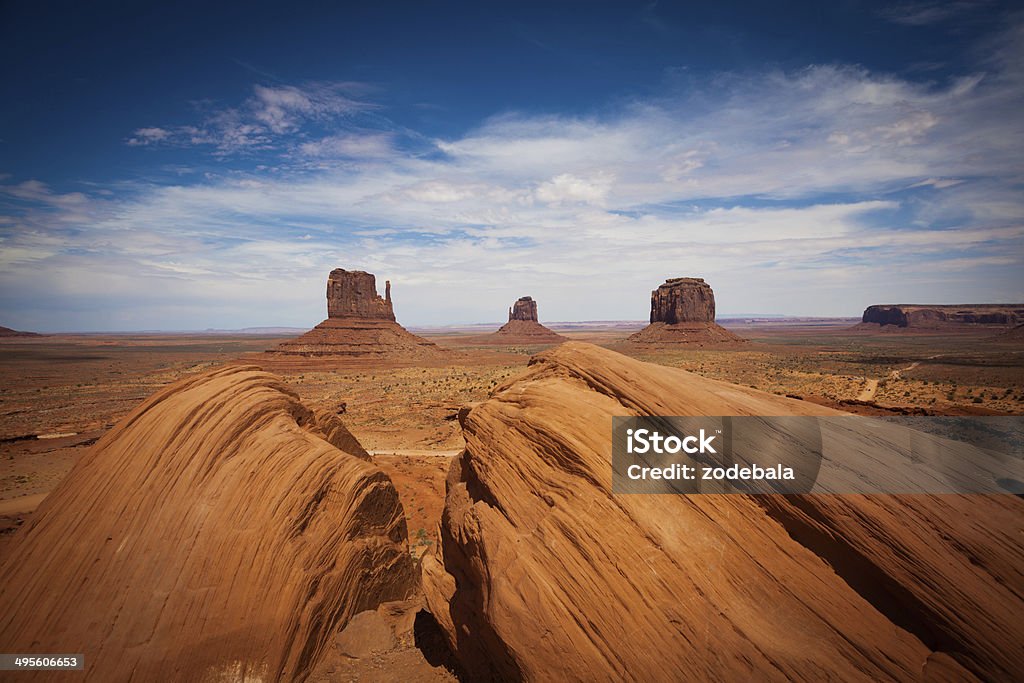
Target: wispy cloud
(930, 12)
(260, 122)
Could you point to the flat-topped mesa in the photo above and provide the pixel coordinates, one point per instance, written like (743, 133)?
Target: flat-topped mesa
(525, 308)
(683, 312)
(683, 300)
(943, 315)
(353, 294)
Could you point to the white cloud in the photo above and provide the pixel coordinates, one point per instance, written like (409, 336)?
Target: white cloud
(264, 120)
(365, 146)
(148, 136)
(566, 187)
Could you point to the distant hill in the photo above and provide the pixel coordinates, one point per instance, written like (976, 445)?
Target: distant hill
(8, 332)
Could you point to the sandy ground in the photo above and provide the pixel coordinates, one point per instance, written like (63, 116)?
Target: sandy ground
(59, 394)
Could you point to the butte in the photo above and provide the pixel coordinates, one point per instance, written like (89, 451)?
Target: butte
(360, 326)
(683, 312)
(522, 327)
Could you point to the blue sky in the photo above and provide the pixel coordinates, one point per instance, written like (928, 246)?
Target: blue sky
(187, 167)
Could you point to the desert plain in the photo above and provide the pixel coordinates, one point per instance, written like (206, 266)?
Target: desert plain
(61, 393)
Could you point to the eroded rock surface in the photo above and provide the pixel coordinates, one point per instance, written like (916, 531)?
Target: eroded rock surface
(360, 326)
(218, 532)
(353, 294)
(522, 327)
(543, 574)
(683, 300)
(938, 316)
(683, 312)
(525, 308)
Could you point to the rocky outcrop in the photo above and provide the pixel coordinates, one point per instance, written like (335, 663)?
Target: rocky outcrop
(522, 328)
(543, 574)
(943, 317)
(353, 294)
(360, 327)
(219, 532)
(683, 300)
(683, 312)
(525, 308)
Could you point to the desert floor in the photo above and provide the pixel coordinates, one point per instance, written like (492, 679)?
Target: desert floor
(59, 394)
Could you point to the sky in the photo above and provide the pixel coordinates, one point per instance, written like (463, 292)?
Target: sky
(183, 167)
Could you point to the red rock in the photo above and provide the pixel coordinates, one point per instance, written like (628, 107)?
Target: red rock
(683, 300)
(543, 574)
(683, 312)
(943, 316)
(360, 326)
(353, 294)
(216, 533)
(525, 308)
(522, 328)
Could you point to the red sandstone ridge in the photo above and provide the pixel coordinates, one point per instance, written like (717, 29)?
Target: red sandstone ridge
(683, 312)
(522, 327)
(360, 325)
(542, 574)
(221, 531)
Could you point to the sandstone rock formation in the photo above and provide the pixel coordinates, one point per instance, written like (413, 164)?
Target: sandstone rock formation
(683, 311)
(525, 308)
(522, 327)
(543, 574)
(360, 326)
(683, 300)
(353, 294)
(219, 532)
(943, 316)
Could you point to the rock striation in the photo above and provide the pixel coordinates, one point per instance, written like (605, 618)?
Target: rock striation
(943, 316)
(221, 531)
(543, 574)
(683, 311)
(360, 326)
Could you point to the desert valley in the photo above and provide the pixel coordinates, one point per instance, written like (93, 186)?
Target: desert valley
(366, 502)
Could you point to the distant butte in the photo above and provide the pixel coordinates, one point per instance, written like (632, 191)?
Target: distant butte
(522, 327)
(683, 312)
(962, 316)
(359, 325)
